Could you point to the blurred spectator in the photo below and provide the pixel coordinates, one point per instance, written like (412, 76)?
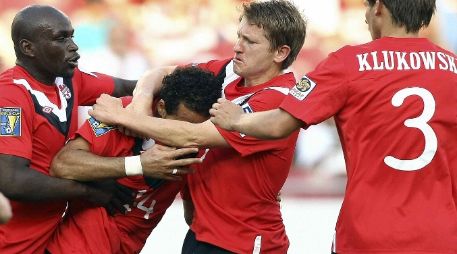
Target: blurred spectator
(120, 57)
(447, 20)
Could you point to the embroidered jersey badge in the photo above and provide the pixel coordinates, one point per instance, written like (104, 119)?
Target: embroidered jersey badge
(99, 128)
(302, 88)
(10, 122)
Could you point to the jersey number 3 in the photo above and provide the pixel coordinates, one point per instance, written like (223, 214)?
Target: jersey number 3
(421, 123)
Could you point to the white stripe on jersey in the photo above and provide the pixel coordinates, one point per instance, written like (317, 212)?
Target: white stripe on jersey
(44, 101)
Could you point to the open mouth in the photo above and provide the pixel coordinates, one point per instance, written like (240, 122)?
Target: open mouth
(73, 61)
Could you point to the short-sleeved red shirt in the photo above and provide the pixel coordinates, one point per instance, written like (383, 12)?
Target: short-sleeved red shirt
(88, 229)
(395, 106)
(35, 121)
(234, 190)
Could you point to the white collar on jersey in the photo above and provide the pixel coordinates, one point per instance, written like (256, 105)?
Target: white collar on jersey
(231, 76)
(43, 100)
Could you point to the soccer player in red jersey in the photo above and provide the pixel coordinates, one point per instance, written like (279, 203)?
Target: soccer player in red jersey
(187, 95)
(38, 109)
(395, 104)
(235, 188)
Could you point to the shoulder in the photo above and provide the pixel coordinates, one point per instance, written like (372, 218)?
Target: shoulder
(214, 66)
(11, 87)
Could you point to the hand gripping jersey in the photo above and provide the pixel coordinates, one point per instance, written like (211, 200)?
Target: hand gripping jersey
(234, 190)
(395, 106)
(90, 230)
(35, 121)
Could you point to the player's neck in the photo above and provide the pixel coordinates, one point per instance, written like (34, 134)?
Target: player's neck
(398, 32)
(36, 73)
(261, 77)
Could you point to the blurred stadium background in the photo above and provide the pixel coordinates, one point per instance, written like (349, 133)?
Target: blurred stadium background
(126, 37)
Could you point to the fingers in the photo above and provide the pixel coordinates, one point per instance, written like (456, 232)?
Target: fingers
(185, 162)
(124, 195)
(183, 152)
(110, 209)
(163, 148)
(118, 206)
(222, 100)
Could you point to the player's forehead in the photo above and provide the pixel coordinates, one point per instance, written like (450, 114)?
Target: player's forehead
(56, 24)
(184, 113)
(250, 30)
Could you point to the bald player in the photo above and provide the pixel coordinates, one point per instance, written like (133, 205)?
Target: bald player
(38, 112)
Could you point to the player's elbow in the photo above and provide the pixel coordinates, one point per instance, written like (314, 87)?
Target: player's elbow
(277, 133)
(59, 167)
(281, 125)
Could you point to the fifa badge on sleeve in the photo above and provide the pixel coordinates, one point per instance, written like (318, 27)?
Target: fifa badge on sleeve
(99, 128)
(303, 87)
(10, 122)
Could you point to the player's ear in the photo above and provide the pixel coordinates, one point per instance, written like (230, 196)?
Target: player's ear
(282, 53)
(26, 47)
(161, 108)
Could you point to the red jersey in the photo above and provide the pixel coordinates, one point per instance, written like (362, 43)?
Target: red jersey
(395, 105)
(35, 121)
(234, 190)
(90, 230)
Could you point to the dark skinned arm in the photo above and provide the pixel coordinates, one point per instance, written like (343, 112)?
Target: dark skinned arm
(123, 87)
(19, 182)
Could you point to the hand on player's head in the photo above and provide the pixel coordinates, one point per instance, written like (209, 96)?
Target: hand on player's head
(107, 109)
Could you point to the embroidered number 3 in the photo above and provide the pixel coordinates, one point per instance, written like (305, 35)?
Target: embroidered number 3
(421, 123)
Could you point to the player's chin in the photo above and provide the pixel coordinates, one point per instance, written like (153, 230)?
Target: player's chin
(238, 70)
(68, 72)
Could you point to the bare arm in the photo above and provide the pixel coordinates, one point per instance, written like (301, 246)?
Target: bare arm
(123, 87)
(19, 182)
(5, 210)
(171, 132)
(147, 87)
(76, 162)
(272, 124)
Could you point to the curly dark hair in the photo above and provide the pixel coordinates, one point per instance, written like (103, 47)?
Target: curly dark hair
(194, 87)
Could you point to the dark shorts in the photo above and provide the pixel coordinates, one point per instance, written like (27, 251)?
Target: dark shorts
(193, 246)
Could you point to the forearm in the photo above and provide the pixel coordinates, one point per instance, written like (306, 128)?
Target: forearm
(150, 83)
(170, 132)
(69, 165)
(272, 124)
(26, 184)
(123, 87)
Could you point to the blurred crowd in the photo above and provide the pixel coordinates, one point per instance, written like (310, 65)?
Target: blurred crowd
(126, 37)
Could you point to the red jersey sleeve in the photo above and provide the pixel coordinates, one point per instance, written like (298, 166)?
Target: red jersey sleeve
(16, 121)
(246, 145)
(92, 85)
(320, 94)
(105, 140)
(214, 66)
